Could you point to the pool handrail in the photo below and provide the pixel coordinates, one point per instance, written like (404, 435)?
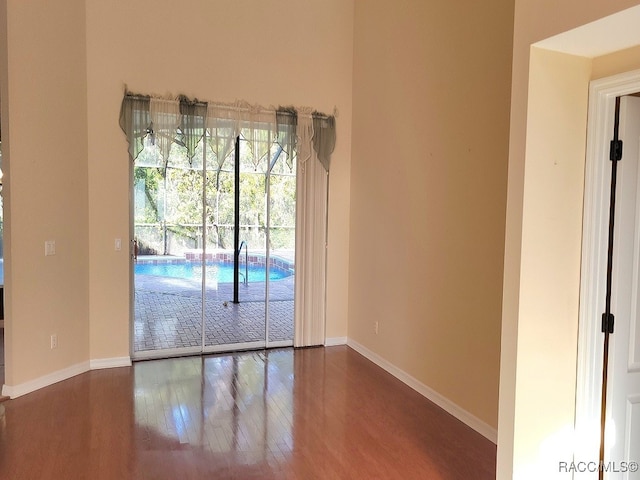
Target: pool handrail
(246, 260)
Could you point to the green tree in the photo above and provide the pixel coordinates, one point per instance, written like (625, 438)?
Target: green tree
(173, 197)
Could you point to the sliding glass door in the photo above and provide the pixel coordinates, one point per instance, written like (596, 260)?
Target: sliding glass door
(214, 240)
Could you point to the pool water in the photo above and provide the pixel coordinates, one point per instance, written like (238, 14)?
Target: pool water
(220, 272)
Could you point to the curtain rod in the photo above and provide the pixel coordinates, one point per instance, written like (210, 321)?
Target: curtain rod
(184, 99)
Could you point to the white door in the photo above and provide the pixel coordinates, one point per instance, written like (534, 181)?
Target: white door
(623, 398)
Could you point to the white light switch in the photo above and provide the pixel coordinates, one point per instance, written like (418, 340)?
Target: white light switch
(49, 248)
(118, 244)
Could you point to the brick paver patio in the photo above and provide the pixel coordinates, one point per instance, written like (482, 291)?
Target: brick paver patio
(168, 313)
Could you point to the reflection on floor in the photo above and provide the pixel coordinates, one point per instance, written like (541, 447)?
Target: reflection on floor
(168, 313)
(318, 413)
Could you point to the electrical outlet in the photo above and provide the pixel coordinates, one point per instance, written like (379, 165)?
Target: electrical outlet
(54, 341)
(375, 328)
(49, 248)
(118, 244)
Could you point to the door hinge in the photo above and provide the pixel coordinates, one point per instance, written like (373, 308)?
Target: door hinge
(615, 150)
(607, 322)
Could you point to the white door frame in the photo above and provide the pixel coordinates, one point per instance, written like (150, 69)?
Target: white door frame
(602, 95)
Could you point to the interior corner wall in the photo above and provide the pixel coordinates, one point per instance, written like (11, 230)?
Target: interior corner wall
(537, 382)
(45, 187)
(274, 52)
(428, 191)
(551, 246)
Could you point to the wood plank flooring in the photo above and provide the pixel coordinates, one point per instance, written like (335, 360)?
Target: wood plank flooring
(319, 413)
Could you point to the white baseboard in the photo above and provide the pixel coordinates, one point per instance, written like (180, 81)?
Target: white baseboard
(44, 381)
(166, 353)
(447, 405)
(100, 363)
(334, 341)
(64, 374)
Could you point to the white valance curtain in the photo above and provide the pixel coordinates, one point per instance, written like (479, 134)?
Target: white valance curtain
(309, 134)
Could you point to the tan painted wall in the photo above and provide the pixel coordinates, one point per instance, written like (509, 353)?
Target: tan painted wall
(44, 120)
(283, 52)
(543, 239)
(617, 62)
(428, 190)
(65, 156)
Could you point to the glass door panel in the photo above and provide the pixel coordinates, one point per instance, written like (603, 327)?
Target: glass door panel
(226, 321)
(237, 319)
(281, 261)
(184, 215)
(167, 216)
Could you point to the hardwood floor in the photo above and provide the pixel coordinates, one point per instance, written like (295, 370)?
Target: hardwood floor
(320, 413)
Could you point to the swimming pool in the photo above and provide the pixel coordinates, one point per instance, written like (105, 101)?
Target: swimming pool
(220, 272)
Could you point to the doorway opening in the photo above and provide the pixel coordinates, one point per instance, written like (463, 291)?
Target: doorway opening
(620, 401)
(214, 246)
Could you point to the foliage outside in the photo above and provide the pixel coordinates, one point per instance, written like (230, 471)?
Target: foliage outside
(170, 206)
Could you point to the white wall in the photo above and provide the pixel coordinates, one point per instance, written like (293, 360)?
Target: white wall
(283, 52)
